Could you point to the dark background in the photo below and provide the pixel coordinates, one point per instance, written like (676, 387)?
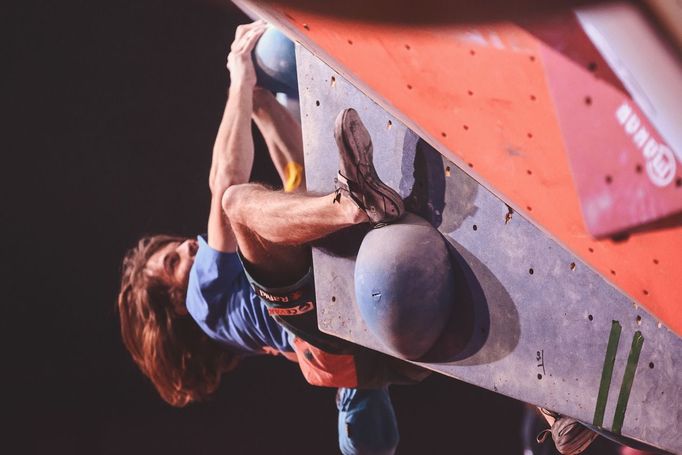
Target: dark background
(110, 111)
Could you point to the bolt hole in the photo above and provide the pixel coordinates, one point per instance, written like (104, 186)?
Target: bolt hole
(333, 298)
(638, 169)
(530, 135)
(466, 127)
(592, 66)
(444, 134)
(638, 319)
(472, 52)
(409, 86)
(407, 46)
(475, 228)
(588, 100)
(572, 265)
(529, 208)
(532, 58)
(471, 93)
(608, 179)
(590, 317)
(529, 172)
(531, 271)
(533, 98)
(389, 125)
(656, 261)
(317, 103)
(447, 171)
(471, 165)
(645, 292)
(539, 376)
(613, 272)
(651, 365)
(590, 249)
(306, 26)
(350, 41)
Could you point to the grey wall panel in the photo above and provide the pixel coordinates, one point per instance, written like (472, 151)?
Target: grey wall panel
(531, 321)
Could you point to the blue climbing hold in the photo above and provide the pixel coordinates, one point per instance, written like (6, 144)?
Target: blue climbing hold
(404, 285)
(274, 58)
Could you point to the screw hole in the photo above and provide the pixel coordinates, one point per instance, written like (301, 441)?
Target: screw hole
(350, 41)
(471, 165)
(529, 208)
(532, 58)
(645, 292)
(651, 365)
(539, 376)
(590, 317)
(444, 134)
(678, 182)
(447, 171)
(530, 135)
(508, 215)
(317, 103)
(389, 125)
(638, 319)
(588, 100)
(572, 265)
(613, 272)
(472, 52)
(333, 298)
(407, 46)
(656, 261)
(306, 26)
(409, 86)
(592, 66)
(475, 228)
(529, 172)
(531, 271)
(590, 249)
(471, 93)
(532, 98)
(608, 179)
(466, 127)
(638, 169)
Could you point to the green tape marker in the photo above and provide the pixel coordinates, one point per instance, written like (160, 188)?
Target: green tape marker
(628, 379)
(606, 373)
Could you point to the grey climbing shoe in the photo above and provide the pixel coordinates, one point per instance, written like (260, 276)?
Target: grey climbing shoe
(570, 436)
(357, 177)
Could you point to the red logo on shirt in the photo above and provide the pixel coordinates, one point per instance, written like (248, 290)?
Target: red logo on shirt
(294, 311)
(279, 298)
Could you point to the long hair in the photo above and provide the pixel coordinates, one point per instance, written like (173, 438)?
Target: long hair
(171, 350)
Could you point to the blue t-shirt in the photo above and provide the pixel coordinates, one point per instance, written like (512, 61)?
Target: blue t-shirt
(222, 302)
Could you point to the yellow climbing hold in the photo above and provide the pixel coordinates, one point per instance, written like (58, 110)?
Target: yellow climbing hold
(293, 173)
